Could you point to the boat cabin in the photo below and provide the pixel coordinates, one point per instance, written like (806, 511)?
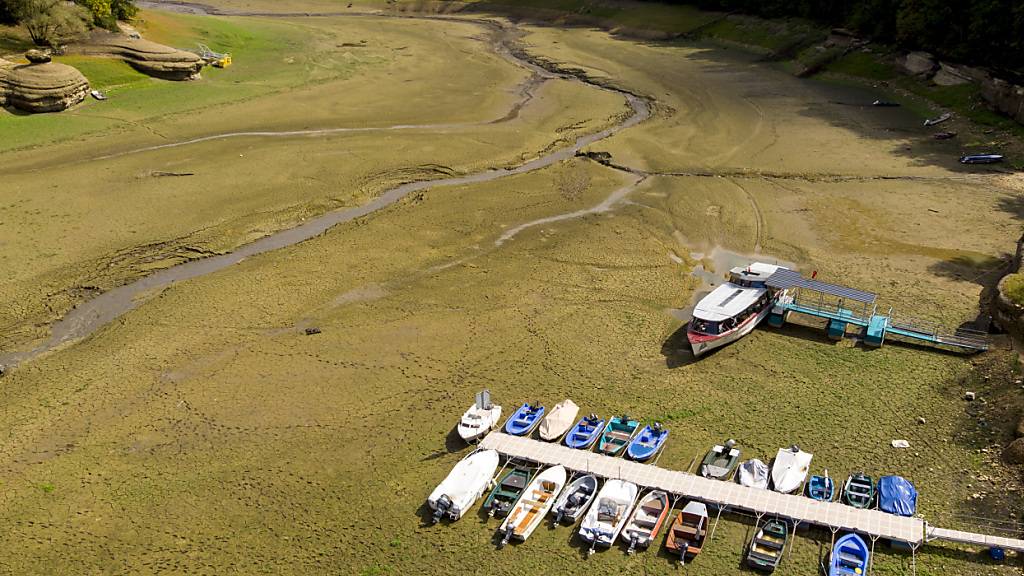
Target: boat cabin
(732, 303)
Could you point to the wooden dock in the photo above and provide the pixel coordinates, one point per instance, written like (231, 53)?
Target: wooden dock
(797, 508)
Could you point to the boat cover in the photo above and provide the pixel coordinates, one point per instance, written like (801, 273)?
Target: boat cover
(560, 419)
(896, 495)
(754, 473)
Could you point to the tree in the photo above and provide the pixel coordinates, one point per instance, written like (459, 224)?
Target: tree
(52, 22)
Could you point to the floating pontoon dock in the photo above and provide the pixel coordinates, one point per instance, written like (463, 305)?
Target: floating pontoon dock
(842, 306)
(832, 515)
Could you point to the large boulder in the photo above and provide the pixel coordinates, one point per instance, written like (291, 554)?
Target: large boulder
(1004, 97)
(156, 59)
(1014, 452)
(949, 75)
(5, 68)
(45, 87)
(920, 64)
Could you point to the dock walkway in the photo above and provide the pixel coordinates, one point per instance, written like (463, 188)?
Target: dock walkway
(832, 515)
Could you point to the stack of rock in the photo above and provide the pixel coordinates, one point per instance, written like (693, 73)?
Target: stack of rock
(42, 85)
(5, 69)
(156, 59)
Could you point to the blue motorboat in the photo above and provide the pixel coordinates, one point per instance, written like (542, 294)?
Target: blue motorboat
(585, 432)
(849, 557)
(647, 443)
(524, 420)
(821, 488)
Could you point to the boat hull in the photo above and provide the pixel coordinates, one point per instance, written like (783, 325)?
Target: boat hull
(535, 502)
(471, 429)
(704, 343)
(584, 434)
(465, 484)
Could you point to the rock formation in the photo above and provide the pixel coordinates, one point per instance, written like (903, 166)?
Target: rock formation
(41, 85)
(148, 57)
(921, 64)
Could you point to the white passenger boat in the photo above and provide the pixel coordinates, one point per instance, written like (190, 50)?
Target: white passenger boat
(608, 514)
(535, 502)
(464, 485)
(480, 418)
(732, 309)
(790, 469)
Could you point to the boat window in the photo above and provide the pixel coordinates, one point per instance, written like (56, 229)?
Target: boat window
(704, 326)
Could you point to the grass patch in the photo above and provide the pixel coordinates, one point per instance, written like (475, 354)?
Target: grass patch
(14, 39)
(1013, 288)
(777, 36)
(863, 65)
(106, 73)
(47, 487)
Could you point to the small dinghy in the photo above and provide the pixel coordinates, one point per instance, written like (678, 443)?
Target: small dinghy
(558, 420)
(686, 536)
(511, 485)
(939, 120)
(98, 95)
(790, 469)
(537, 499)
(575, 498)
(753, 473)
(849, 557)
(767, 545)
(821, 488)
(617, 434)
(585, 432)
(859, 490)
(524, 420)
(463, 486)
(946, 135)
(885, 103)
(981, 158)
(607, 516)
(645, 522)
(479, 418)
(647, 443)
(720, 461)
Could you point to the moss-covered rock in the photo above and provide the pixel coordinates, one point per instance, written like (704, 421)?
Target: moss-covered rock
(43, 87)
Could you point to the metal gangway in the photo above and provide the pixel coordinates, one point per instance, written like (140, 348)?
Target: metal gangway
(911, 531)
(842, 306)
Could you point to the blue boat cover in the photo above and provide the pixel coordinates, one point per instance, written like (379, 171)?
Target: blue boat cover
(897, 496)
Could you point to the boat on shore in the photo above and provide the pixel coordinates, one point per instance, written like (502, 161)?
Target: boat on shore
(720, 461)
(533, 505)
(647, 443)
(617, 435)
(849, 557)
(790, 469)
(938, 120)
(981, 158)
(585, 432)
(608, 514)
(767, 546)
(646, 520)
(688, 531)
(463, 486)
(508, 489)
(479, 418)
(574, 500)
(524, 420)
(733, 309)
(859, 490)
(559, 420)
(754, 474)
(821, 488)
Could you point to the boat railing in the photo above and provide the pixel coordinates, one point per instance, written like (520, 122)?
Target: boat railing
(831, 307)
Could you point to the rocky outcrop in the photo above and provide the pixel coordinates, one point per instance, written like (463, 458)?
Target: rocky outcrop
(42, 86)
(949, 75)
(920, 64)
(147, 57)
(1014, 453)
(5, 68)
(1004, 97)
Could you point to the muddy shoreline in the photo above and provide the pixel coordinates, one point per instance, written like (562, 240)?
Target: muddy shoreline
(93, 314)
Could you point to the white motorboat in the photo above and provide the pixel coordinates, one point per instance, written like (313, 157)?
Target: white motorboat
(480, 418)
(559, 420)
(608, 514)
(464, 485)
(733, 309)
(754, 473)
(573, 501)
(645, 522)
(535, 502)
(790, 469)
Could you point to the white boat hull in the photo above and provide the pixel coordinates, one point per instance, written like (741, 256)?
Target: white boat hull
(703, 347)
(790, 470)
(617, 496)
(519, 518)
(477, 422)
(466, 483)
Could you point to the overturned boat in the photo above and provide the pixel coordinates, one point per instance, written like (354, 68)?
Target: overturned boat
(733, 309)
(463, 486)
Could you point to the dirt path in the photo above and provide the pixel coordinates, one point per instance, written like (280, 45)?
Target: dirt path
(104, 308)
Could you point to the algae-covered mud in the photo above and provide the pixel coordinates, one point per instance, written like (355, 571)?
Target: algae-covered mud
(200, 430)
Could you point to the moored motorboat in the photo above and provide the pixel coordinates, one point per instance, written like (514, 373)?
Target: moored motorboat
(945, 135)
(463, 486)
(790, 469)
(859, 490)
(849, 557)
(938, 119)
(981, 158)
(508, 489)
(573, 501)
(753, 473)
(767, 545)
(821, 488)
(617, 435)
(645, 522)
(585, 432)
(720, 461)
(523, 421)
(559, 420)
(688, 531)
(537, 499)
(647, 443)
(733, 309)
(608, 514)
(479, 418)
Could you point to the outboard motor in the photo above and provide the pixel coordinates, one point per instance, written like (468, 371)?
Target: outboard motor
(441, 507)
(508, 536)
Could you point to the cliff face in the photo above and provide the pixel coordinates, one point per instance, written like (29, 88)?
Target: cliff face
(1006, 312)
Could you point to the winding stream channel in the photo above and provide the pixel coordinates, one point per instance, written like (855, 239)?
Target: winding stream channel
(90, 316)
